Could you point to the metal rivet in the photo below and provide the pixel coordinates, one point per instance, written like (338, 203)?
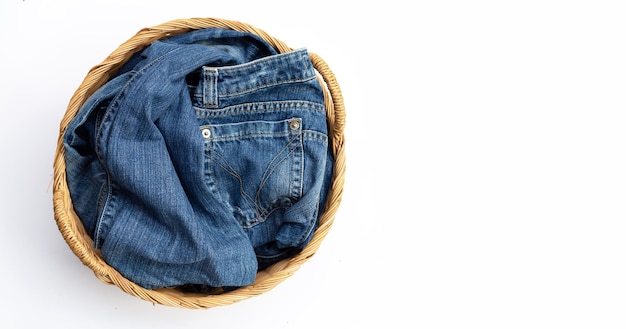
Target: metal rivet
(294, 124)
(206, 132)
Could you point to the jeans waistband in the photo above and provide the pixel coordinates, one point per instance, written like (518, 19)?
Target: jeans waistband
(269, 71)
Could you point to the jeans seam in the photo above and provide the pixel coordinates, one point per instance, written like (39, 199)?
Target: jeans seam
(260, 107)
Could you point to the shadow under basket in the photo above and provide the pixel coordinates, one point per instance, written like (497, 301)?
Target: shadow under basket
(82, 245)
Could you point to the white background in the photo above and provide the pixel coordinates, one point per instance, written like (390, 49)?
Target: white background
(486, 179)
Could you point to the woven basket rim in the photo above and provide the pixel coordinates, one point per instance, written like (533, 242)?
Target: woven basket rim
(80, 243)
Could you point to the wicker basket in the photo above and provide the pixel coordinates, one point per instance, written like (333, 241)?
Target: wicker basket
(81, 244)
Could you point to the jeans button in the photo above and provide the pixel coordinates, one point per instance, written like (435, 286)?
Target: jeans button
(294, 124)
(206, 132)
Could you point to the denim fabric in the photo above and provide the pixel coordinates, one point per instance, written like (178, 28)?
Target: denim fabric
(202, 160)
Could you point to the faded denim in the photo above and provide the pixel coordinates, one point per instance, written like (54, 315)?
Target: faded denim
(204, 159)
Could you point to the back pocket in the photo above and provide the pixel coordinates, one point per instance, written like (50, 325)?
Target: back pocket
(256, 167)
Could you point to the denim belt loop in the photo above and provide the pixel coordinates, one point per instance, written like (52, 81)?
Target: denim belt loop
(209, 96)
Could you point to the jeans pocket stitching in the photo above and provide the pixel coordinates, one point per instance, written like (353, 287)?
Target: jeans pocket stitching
(231, 171)
(290, 149)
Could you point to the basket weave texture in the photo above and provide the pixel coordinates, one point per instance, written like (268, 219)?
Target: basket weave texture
(82, 245)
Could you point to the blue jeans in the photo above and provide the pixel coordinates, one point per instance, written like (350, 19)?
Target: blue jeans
(204, 159)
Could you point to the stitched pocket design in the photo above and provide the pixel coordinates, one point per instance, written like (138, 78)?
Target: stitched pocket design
(256, 167)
